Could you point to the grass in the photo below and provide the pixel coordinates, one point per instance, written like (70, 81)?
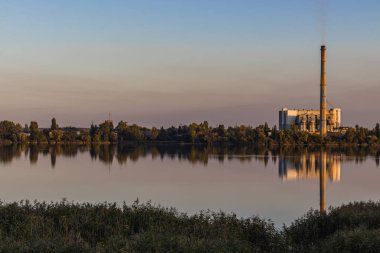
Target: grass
(105, 227)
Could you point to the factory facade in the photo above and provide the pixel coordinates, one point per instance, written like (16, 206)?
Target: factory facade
(309, 120)
(313, 121)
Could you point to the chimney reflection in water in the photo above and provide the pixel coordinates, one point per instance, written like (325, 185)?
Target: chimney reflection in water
(322, 181)
(312, 166)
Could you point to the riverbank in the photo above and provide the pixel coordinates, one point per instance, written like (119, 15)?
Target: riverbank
(69, 227)
(193, 133)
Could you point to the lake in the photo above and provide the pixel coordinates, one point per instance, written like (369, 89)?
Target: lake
(279, 185)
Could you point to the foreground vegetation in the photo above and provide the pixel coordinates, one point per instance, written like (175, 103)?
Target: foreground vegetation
(68, 227)
(202, 133)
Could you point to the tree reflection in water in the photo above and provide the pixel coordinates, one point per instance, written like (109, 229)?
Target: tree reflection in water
(300, 163)
(293, 163)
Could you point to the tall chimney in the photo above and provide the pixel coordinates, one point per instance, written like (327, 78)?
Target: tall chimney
(323, 129)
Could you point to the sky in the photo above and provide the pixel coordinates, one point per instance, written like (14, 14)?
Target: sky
(173, 62)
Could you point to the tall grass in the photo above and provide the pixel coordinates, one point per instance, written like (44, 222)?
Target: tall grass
(105, 227)
(354, 227)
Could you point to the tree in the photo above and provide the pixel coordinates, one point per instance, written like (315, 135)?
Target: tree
(274, 134)
(93, 130)
(105, 130)
(33, 127)
(154, 133)
(377, 130)
(56, 135)
(266, 129)
(221, 130)
(122, 125)
(69, 135)
(350, 135)
(134, 133)
(54, 125)
(192, 131)
(34, 131)
(10, 131)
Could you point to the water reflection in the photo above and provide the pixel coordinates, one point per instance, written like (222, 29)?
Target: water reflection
(294, 164)
(308, 166)
(323, 166)
(181, 179)
(312, 166)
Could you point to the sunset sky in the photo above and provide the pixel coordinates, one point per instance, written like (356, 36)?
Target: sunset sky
(173, 62)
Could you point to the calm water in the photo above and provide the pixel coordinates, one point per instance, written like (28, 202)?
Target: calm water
(280, 185)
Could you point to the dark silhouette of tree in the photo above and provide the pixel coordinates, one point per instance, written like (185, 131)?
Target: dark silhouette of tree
(377, 130)
(34, 131)
(54, 125)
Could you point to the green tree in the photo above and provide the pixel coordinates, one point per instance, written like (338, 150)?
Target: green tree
(56, 135)
(377, 130)
(69, 135)
(266, 129)
(134, 133)
(34, 131)
(162, 135)
(105, 130)
(26, 128)
(10, 131)
(122, 125)
(192, 131)
(154, 133)
(274, 134)
(221, 131)
(93, 130)
(349, 136)
(54, 125)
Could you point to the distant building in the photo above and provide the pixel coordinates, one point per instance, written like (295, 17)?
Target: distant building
(309, 120)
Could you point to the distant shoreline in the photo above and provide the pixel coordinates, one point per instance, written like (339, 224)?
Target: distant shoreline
(183, 144)
(195, 133)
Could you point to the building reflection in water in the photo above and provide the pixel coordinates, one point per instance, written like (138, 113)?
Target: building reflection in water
(308, 165)
(312, 166)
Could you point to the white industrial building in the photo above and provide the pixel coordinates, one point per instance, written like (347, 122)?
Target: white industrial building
(309, 120)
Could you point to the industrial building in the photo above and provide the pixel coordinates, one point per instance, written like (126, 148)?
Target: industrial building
(309, 120)
(313, 121)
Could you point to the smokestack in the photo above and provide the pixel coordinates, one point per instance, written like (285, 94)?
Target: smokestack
(323, 129)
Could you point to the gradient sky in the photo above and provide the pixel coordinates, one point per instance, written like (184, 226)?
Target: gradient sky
(175, 62)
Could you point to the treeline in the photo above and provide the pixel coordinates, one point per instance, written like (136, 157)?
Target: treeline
(202, 133)
(68, 227)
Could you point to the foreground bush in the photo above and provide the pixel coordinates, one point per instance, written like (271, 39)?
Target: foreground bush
(350, 228)
(67, 227)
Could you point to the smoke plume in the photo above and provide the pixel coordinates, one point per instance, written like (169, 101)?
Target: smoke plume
(322, 16)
